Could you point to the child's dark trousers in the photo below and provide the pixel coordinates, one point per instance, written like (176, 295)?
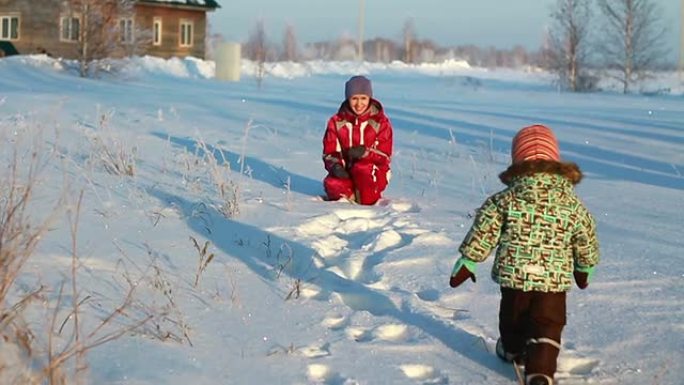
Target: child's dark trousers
(531, 324)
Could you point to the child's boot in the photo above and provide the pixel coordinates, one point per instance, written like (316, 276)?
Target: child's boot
(506, 356)
(538, 379)
(542, 354)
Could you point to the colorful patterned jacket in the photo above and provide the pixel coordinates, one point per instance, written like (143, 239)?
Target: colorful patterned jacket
(540, 228)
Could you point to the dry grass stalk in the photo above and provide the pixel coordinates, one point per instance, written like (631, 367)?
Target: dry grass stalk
(219, 171)
(204, 259)
(109, 151)
(19, 235)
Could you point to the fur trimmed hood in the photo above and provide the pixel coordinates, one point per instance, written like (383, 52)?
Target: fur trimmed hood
(569, 170)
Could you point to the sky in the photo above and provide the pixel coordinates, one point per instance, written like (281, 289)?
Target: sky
(239, 273)
(498, 23)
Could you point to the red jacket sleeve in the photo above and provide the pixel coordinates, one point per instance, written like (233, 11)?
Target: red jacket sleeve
(380, 152)
(331, 146)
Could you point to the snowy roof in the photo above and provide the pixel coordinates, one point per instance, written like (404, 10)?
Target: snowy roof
(192, 3)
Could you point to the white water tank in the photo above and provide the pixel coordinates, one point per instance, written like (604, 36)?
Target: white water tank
(228, 62)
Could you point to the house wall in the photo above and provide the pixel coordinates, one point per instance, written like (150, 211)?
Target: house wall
(39, 29)
(171, 18)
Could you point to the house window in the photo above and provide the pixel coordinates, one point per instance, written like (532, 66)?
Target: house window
(70, 28)
(185, 33)
(157, 31)
(126, 29)
(9, 27)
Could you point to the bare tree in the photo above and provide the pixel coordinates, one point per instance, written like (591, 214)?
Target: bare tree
(102, 28)
(381, 50)
(345, 48)
(568, 44)
(633, 38)
(546, 57)
(409, 35)
(518, 57)
(257, 48)
(136, 43)
(423, 51)
(96, 24)
(290, 51)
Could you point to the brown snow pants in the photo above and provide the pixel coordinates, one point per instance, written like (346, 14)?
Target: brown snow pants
(529, 323)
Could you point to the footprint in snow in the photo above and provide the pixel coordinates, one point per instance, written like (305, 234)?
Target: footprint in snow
(428, 295)
(329, 247)
(577, 365)
(358, 334)
(335, 321)
(315, 351)
(350, 242)
(424, 373)
(572, 369)
(383, 241)
(388, 332)
(358, 244)
(399, 206)
(322, 374)
(391, 332)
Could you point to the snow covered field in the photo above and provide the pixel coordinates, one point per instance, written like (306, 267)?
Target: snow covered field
(301, 291)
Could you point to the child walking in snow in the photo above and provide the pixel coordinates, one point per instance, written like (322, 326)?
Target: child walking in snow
(544, 237)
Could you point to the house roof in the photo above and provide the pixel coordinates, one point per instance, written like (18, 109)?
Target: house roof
(211, 4)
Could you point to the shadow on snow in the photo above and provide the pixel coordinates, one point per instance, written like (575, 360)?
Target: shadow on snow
(607, 163)
(262, 171)
(358, 297)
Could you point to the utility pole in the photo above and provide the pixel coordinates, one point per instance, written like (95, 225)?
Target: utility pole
(681, 40)
(362, 12)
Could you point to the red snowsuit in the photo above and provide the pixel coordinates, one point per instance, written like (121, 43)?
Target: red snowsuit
(369, 174)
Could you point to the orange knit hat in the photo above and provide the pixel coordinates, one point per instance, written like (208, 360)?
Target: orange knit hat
(535, 142)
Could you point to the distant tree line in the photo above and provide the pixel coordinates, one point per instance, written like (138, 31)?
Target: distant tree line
(624, 39)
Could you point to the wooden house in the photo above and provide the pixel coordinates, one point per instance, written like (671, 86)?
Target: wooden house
(163, 28)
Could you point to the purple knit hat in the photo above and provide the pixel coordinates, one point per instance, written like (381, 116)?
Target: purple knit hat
(358, 85)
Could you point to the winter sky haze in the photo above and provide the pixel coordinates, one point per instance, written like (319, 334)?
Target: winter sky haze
(498, 23)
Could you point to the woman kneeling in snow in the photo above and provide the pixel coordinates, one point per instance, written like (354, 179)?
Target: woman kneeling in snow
(357, 146)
